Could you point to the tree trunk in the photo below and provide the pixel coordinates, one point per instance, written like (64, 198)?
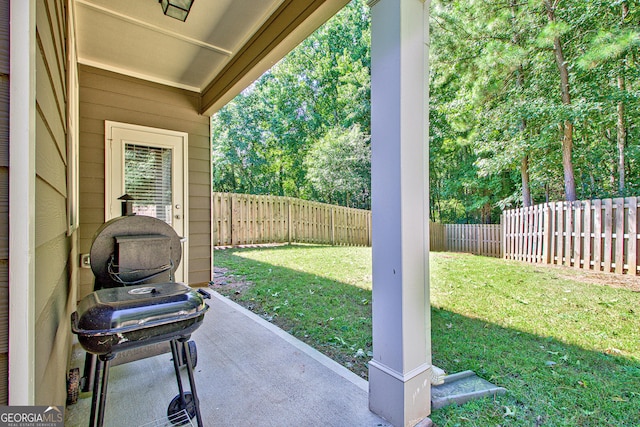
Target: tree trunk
(622, 138)
(622, 128)
(526, 191)
(486, 213)
(546, 192)
(567, 126)
(567, 163)
(524, 166)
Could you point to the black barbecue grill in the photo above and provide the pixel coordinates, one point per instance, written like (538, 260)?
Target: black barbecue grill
(136, 303)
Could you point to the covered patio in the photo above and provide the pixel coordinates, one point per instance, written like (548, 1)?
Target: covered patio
(249, 372)
(73, 71)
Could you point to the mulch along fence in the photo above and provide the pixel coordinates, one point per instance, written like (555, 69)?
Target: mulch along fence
(599, 235)
(243, 219)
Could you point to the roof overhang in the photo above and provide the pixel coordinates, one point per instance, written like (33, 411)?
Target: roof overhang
(223, 46)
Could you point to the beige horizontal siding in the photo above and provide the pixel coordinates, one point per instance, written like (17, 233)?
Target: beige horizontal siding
(4, 120)
(50, 162)
(53, 246)
(110, 96)
(4, 37)
(4, 213)
(55, 341)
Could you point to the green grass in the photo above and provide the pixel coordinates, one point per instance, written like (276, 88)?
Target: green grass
(563, 343)
(320, 294)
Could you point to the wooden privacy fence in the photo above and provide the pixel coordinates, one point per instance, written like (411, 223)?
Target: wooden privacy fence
(437, 237)
(600, 235)
(478, 239)
(242, 219)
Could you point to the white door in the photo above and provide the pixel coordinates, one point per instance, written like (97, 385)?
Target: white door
(150, 165)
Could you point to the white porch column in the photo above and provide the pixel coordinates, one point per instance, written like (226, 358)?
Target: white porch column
(400, 372)
(22, 175)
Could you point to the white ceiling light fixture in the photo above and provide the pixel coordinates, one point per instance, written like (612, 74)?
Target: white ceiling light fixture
(178, 9)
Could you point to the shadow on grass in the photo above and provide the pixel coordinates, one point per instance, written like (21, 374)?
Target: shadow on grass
(549, 382)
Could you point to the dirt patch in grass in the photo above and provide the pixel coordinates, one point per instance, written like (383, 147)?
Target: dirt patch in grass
(223, 280)
(620, 281)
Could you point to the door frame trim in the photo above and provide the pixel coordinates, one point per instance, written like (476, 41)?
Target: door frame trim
(108, 167)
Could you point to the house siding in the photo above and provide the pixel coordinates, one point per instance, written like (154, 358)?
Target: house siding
(110, 96)
(4, 198)
(54, 249)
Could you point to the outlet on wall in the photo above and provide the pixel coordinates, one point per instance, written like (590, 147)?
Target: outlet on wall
(85, 261)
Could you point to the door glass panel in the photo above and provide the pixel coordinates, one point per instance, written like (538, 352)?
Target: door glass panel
(147, 178)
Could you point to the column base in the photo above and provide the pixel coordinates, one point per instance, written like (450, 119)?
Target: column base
(402, 399)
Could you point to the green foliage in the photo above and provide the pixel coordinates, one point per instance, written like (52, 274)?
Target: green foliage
(339, 167)
(495, 97)
(262, 138)
(495, 104)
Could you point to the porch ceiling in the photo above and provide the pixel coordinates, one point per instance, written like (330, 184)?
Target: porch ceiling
(221, 48)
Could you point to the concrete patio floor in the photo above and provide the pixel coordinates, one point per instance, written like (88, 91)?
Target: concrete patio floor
(249, 373)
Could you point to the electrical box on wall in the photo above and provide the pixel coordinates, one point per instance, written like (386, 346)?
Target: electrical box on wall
(85, 261)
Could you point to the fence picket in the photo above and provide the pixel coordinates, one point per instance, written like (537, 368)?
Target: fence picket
(597, 235)
(577, 240)
(540, 233)
(608, 234)
(632, 243)
(619, 236)
(530, 229)
(587, 235)
(559, 215)
(568, 237)
(547, 238)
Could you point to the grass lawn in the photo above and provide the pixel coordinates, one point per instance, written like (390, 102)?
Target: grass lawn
(564, 343)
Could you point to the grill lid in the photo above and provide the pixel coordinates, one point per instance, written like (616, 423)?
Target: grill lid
(119, 310)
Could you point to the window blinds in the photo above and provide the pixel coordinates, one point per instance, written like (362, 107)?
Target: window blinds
(148, 180)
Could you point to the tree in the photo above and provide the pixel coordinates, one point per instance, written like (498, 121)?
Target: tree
(339, 167)
(566, 127)
(544, 92)
(610, 54)
(261, 138)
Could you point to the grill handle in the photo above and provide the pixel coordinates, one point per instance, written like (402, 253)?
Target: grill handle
(205, 294)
